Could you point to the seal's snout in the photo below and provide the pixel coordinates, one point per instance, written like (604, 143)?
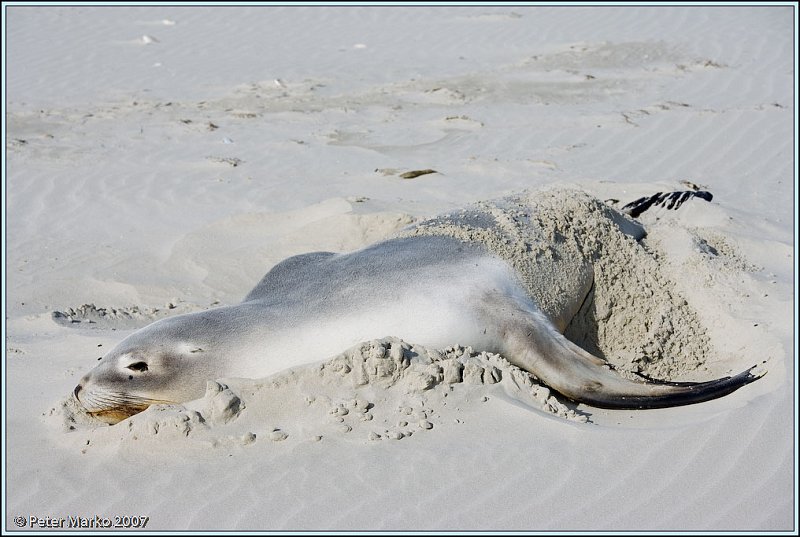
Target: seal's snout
(78, 389)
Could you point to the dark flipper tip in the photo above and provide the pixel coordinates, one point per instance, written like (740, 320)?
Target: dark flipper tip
(688, 393)
(677, 393)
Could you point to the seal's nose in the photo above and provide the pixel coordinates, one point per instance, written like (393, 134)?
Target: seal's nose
(78, 388)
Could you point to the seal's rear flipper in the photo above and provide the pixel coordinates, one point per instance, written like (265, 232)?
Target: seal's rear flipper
(669, 200)
(532, 343)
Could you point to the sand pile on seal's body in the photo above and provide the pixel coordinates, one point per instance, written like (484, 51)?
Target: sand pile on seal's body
(633, 317)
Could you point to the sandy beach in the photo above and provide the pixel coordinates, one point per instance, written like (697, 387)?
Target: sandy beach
(160, 160)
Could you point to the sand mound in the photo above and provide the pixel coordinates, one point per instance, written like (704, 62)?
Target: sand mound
(560, 240)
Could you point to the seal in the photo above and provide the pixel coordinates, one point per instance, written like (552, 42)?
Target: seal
(505, 276)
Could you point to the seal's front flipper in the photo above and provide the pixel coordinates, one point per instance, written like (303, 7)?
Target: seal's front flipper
(532, 343)
(687, 393)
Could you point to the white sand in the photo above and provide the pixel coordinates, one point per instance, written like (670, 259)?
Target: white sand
(160, 160)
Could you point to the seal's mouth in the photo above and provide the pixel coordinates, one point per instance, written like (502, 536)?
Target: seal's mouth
(113, 416)
(113, 407)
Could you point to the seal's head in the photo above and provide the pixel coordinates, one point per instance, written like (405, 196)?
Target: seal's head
(165, 362)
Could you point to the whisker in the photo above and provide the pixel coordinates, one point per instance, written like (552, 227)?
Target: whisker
(103, 400)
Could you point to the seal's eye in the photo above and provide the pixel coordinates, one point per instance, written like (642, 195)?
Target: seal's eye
(138, 366)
